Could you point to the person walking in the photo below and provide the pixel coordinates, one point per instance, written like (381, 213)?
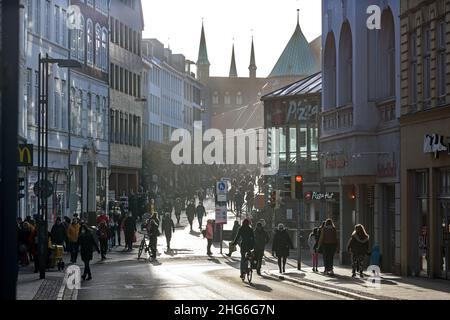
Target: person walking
(168, 227)
(328, 245)
(246, 240)
(129, 230)
(178, 207)
(261, 240)
(201, 212)
(250, 198)
(117, 220)
(313, 241)
(102, 234)
(153, 233)
(358, 246)
(209, 235)
(231, 194)
(234, 233)
(281, 245)
(58, 232)
(86, 244)
(72, 235)
(190, 213)
(239, 202)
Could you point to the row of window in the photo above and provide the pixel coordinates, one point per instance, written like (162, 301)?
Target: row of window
(95, 55)
(125, 36)
(125, 81)
(188, 115)
(54, 20)
(155, 76)
(427, 65)
(155, 104)
(227, 99)
(130, 3)
(99, 5)
(125, 128)
(155, 132)
(171, 83)
(89, 114)
(171, 108)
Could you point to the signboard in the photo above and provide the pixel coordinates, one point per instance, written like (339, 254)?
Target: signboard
(292, 112)
(319, 196)
(221, 191)
(43, 189)
(221, 214)
(25, 155)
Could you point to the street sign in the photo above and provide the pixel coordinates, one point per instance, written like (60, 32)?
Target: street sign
(25, 155)
(222, 191)
(43, 189)
(221, 214)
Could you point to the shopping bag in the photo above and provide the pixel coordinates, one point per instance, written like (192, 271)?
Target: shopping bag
(232, 247)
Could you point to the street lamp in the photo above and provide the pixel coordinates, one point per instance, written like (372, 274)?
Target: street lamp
(44, 189)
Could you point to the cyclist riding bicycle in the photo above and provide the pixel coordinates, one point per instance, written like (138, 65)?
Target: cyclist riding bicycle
(246, 240)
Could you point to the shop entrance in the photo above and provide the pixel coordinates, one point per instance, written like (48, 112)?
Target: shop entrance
(388, 223)
(444, 239)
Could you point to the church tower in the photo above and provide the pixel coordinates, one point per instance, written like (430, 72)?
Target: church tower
(202, 61)
(233, 70)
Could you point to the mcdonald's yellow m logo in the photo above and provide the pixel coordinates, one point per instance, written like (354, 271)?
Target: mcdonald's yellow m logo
(25, 155)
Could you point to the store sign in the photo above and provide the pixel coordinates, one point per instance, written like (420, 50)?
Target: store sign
(435, 143)
(309, 196)
(281, 112)
(299, 112)
(25, 155)
(339, 162)
(387, 166)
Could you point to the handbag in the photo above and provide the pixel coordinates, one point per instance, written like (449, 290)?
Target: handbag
(232, 247)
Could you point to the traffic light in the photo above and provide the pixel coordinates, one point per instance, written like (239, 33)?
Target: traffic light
(287, 187)
(20, 188)
(273, 199)
(298, 187)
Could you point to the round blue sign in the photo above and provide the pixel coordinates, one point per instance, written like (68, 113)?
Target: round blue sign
(222, 186)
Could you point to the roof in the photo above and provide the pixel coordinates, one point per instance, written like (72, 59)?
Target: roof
(202, 52)
(309, 85)
(247, 117)
(297, 58)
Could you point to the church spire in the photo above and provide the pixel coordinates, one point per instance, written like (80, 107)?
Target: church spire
(202, 61)
(233, 71)
(252, 68)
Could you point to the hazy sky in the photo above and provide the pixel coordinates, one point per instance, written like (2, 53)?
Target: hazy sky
(273, 23)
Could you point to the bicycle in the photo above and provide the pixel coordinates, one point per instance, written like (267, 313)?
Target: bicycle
(250, 263)
(144, 246)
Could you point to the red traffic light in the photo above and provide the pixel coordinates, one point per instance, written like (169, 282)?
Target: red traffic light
(298, 179)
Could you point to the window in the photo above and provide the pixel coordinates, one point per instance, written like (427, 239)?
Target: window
(215, 99)
(29, 96)
(121, 80)
(90, 42)
(57, 24)
(121, 35)
(105, 118)
(117, 78)
(139, 86)
(89, 114)
(36, 97)
(98, 46)
(239, 98)
(125, 44)
(441, 63)
(57, 104)
(111, 76)
(330, 72)
(47, 19)
(98, 118)
(122, 131)
(30, 15)
(112, 126)
(126, 81)
(81, 40)
(104, 50)
(64, 27)
(63, 105)
(37, 20)
(117, 32)
(426, 68)
(227, 98)
(117, 127)
(112, 23)
(413, 72)
(346, 66)
(126, 134)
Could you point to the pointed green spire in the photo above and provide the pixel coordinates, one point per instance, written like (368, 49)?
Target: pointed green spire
(252, 66)
(203, 52)
(233, 71)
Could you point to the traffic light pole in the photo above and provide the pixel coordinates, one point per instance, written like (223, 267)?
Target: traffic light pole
(299, 234)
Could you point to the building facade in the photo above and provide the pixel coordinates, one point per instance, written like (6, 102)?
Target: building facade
(425, 138)
(360, 136)
(127, 103)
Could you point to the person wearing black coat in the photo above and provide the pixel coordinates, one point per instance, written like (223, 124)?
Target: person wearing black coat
(190, 213)
(58, 232)
(358, 246)
(280, 246)
(153, 233)
(201, 212)
(261, 239)
(246, 240)
(168, 228)
(129, 230)
(87, 244)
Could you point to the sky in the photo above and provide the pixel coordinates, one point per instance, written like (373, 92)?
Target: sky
(178, 23)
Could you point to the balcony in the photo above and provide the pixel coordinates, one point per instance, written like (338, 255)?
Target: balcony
(386, 111)
(337, 119)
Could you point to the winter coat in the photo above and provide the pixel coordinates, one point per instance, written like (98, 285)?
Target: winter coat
(190, 212)
(58, 233)
(245, 238)
(153, 229)
(328, 236)
(178, 207)
(358, 246)
(200, 211)
(73, 232)
(209, 231)
(235, 230)
(102, 231)
(261, 239)
(129, 225)
(87, 245)
(282, 243)
(313, 241)
(168, 226)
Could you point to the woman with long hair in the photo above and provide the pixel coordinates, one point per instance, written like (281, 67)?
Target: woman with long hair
(328, 245)
(358, 246)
